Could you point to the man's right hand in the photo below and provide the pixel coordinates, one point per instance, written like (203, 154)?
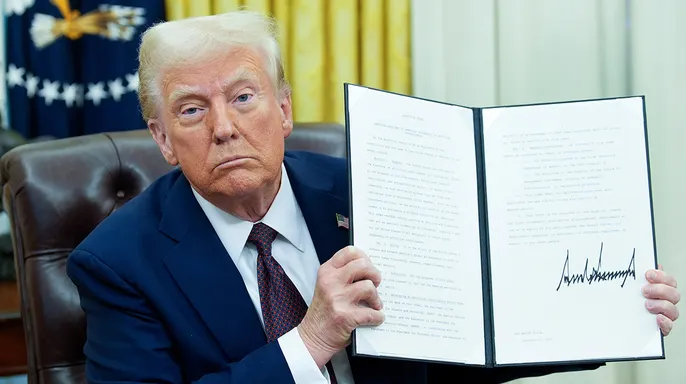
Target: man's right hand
(345, 297)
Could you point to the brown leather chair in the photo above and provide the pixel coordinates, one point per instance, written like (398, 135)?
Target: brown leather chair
(56, 193)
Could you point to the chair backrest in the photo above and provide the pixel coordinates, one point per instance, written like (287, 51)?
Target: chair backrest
(55, 193)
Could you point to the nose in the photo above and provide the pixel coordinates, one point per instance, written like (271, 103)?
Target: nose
(223, 128)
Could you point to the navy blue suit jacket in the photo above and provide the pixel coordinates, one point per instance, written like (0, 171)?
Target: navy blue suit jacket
(164, 303)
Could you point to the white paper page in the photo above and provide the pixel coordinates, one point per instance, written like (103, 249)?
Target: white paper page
(570, 231)
(414, 211)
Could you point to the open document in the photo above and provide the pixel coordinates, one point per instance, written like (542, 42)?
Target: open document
(507, 235)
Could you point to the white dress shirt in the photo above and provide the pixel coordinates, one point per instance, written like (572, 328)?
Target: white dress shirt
(294, 251)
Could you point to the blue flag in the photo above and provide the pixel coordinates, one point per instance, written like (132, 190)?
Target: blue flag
(71, 65)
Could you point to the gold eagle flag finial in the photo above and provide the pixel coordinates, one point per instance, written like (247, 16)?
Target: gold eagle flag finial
(69, 28)
(113, 22)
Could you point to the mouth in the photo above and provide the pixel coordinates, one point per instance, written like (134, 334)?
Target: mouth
(231, 162)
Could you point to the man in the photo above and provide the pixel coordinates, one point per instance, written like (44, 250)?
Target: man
(229, 269)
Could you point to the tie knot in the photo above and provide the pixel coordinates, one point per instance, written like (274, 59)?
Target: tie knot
(262, 236)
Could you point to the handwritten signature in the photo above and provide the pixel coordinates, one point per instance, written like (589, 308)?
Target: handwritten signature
(597, 274)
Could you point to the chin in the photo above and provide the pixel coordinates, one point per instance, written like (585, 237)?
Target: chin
(240, 182)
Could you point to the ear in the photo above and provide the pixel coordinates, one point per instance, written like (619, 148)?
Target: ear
(159, 133)
(286, 115)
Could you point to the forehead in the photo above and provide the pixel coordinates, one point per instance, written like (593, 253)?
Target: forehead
(216, 72)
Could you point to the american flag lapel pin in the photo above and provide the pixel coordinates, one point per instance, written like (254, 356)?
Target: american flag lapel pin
(342, 221)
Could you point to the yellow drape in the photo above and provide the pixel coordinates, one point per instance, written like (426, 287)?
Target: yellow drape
(328, 42)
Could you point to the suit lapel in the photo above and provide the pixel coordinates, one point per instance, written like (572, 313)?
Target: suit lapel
(207, 276)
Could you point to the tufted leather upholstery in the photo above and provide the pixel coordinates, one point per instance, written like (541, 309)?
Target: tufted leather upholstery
(55, 193)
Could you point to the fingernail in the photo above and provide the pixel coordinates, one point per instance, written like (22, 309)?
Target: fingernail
(651, 275)
(650, 304)
(646, 289)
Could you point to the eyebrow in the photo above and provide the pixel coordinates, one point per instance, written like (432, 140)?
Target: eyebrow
(183, 91)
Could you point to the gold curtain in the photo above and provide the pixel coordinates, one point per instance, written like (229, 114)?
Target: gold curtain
(328, 42)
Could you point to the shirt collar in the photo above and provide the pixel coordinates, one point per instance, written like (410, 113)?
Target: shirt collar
(281, 216)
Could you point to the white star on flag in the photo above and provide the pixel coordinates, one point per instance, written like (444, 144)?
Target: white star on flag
(50, 91)
(96, 92)
(116, 89)
(132, 82)
(15, 76)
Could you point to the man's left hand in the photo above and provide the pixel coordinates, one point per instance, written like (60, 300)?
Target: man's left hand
(662, 297)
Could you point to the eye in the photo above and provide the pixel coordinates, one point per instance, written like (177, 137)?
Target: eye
(190, 111)
(244, 98)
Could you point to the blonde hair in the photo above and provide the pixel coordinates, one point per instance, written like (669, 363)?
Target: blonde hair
(194, 40)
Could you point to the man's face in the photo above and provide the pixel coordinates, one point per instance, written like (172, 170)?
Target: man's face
(223, 123)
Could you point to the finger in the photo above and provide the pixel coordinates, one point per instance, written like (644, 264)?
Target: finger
(367, 316)
(361, 269)
(661, 292)
(659, 276)
(664, 308)
(365, 291)
(346, 255)
(665, 324)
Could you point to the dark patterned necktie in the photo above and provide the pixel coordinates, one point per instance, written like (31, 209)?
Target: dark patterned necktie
(283, 308)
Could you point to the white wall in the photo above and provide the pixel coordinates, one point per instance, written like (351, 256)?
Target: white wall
(454, 57)
(658, 60)
(495, 52)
